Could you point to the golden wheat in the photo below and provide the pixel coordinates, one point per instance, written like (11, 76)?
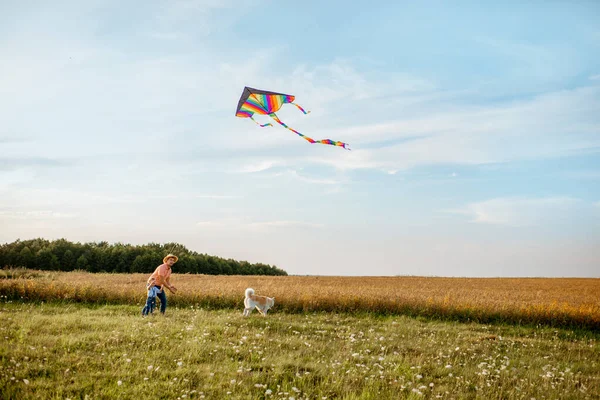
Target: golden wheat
(558, 302)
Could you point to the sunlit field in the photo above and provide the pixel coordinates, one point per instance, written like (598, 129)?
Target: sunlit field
(78, 351)
(552, 302)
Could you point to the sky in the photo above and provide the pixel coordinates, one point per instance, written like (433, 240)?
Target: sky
(474, 131)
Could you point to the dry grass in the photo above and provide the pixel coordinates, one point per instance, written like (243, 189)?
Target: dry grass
(556, 302)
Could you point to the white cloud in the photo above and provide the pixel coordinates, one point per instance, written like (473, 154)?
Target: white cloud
(259, 167)
(518, 211)
(581, 174)
(36, 215)
(285, 224)
(320, 181)
(550, 125)
(237, 224)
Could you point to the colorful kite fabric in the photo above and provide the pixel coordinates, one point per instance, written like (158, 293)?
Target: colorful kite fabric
(254, 101)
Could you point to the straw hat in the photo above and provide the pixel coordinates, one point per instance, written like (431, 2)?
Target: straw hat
(170, 256)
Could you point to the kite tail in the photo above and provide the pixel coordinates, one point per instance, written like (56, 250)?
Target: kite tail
(310, 140)
(300, 108)
(261, 125)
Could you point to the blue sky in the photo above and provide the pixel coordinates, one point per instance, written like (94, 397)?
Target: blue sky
(474, 128)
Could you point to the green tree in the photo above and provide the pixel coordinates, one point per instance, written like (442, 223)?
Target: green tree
(68, 261)
(44, 259)
(82, 263)
(26, 258)
(54, 263)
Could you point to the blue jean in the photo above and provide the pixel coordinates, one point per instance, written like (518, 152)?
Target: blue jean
(163, 301)
(150, 305)
(151, 302)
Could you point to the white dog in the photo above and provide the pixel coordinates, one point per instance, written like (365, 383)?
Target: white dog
(262, 303)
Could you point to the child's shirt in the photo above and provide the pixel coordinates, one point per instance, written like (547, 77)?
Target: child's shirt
(153, 291)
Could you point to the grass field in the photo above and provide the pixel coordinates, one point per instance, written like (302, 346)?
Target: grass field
(78, 351)
(551, 302)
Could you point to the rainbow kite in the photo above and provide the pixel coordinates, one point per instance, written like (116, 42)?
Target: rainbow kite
(266, 103)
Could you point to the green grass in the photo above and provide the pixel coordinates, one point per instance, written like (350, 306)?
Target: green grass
(58, 351)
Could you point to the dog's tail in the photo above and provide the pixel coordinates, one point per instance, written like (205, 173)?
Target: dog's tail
(249, 292)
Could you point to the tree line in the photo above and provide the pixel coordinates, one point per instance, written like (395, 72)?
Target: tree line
(63, 255)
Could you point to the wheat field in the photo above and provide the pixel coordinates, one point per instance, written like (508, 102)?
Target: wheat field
(570, 302)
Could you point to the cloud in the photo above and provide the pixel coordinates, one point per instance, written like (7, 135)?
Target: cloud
(581, 174)
(319, 181)
(12, 163)
(216, 196)
(237, 224)
(32, 198)
(550, 125)
(285, 224)
(519, 211)
(36, 215)
(258, 167)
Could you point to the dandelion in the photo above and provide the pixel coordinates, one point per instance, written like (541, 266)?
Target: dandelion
(129, 360)
(268, 392)
(150, 367)
(119, 383)
(180, 363)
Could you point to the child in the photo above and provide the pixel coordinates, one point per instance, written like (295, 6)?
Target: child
(151, 300)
